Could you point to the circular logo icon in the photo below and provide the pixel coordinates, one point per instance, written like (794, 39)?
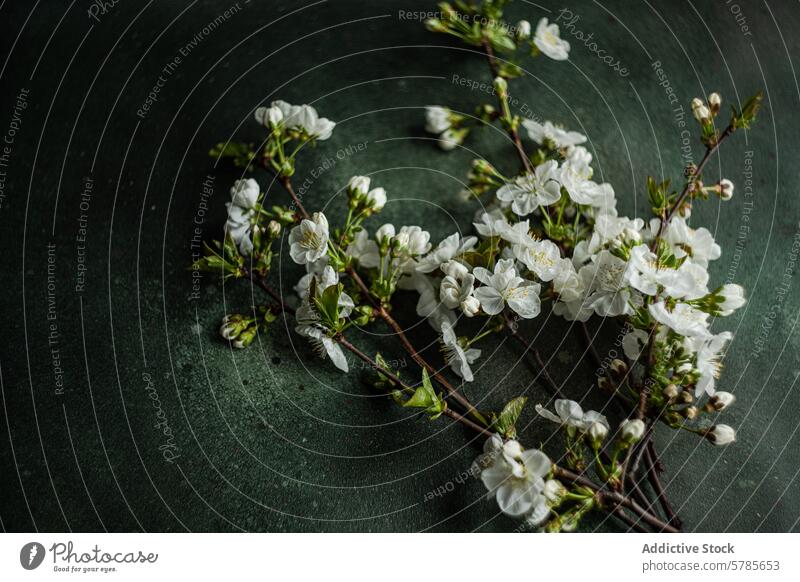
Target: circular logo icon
(31, 555)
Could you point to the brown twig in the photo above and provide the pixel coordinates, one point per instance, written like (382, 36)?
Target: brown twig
(655, 482)
(614, 499)
(512, 132)
(513, 331)
(689, 187)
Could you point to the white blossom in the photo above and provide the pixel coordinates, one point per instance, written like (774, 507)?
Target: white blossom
(241, 212)
(609, 297)
(539, 256)
(515, 477)
(309, 240)
(708, 359)
(503, 287)
(698, 244)
(455, 293)
(731, 298)
(450, 248)
(528, 192)
(413, 240)
(364, 250)
(458, 356)
(633, 343)
(548, 41)
(304, 117)
(437, 119)
(544, 132)
(489, 224)
(683, 319)
(569, 413)
(566, 282)
(308, 321)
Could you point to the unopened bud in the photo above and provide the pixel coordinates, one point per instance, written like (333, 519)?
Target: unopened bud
(714, 102)
(691, 412)
(619, 367)
(725, 189)
(632, 430)
(686, 397)
(721, 400)
(273, 229)
(721, 434)
(597, 433)
(554, 491)
(523, 30)
(671, 391)
(359, 185)
(501, 87)
(702, 114)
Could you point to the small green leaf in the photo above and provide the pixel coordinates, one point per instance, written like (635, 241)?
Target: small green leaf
(505, 423)
(425, 397)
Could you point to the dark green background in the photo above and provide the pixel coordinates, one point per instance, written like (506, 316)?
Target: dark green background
(271, 438)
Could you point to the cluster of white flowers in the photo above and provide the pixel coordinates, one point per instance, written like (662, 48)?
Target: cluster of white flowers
(300, 118)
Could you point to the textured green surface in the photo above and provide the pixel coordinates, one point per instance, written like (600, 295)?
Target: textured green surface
(271, 438)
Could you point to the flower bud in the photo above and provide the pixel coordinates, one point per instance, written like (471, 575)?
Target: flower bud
(697, 103)
(702, 114)
(523, 30)
(691, 412)
(435, 25)
(384, 233)
(471, 306)
(619, 367)
(730, 297)
(273, 229)
(714, 102)
(274, 116)
(554, 491)
(359, 185)
(671, 391)
(686, 397)
(501, 87)
(376, 198)
(597, 433)
(725, 189)
(721, 434)
(632, 430)
(721, 400)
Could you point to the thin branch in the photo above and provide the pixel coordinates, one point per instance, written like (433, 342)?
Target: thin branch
(512, 132)
(551, 385)
(655, 483)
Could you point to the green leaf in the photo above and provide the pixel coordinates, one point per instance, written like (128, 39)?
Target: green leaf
(505, 423)
(425, 397)
(327, 305)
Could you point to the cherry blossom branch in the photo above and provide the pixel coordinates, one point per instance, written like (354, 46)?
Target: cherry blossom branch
(613, 499)
(690, 184)
(603, 495)
(409, 347)
(512, 132)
